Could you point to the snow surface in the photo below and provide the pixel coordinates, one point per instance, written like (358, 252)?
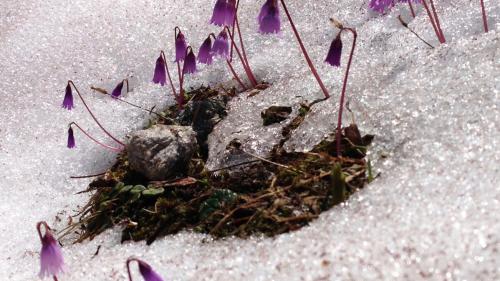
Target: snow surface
(433, 214)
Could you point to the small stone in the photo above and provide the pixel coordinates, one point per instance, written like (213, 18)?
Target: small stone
(161, 151)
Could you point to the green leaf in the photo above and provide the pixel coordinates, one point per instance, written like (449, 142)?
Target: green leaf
(152, 192)
(218, 200)
(337, 192)
(138, 189)
(126, 188)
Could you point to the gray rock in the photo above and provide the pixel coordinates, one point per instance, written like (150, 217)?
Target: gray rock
(161, 151)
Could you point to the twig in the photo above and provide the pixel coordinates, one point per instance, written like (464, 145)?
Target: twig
(403, 23)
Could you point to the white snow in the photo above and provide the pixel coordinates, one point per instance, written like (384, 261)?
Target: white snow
(432, 215)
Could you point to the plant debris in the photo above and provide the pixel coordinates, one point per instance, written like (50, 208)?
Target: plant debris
(275, 114)
(278, 194)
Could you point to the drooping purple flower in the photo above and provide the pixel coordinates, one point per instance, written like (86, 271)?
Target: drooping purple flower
(160, 76)
(269, 18)
(335, 52)
(51, 258)
(68, 98)
(71, 138)
(147, 272)
(180, 47)
(221, 45)
(382, 6)
(189, 63)
(230, 12)
(118, 90)
(205, 54)
(219, 13)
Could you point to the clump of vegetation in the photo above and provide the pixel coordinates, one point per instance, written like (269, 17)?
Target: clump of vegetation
(267, 196)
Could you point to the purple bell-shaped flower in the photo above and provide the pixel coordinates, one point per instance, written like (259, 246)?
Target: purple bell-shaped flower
(118, 90)
(335, 52)
(221, 45)
(190, 62)
(205, 52)
(230, 12)
(147, 272)
(71, 138)
(160, 75)
(180, 47)
(381, 5)
(51, 258)
(68, 98)
(269, 18)
(219, 13)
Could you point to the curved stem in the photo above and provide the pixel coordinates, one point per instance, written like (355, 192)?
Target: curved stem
(88, 176)
(181, 90)
(176, 29)
(180, 98)
(126, 82)
(411, 8)
(236, 75)
(129, 103)
(431, 19)
(436, 19)
(128, 267)
(233, 30)
(38, 228)
(485, 19)
(181, 95)
(248, 70)
(304, 51)
(168, 73)
(245, 67)
(403, 23)
(344, 87)
(95, 140)
(93, 116)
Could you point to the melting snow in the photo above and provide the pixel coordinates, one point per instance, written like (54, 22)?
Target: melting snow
(432, 215)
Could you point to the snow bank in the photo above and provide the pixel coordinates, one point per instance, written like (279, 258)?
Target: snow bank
(432, 214)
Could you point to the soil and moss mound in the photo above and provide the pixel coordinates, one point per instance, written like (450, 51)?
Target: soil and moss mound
(268, 196)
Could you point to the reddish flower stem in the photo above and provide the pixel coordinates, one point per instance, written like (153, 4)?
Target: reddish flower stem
(411, 8)
(304, 51)
(116, 149)
(180, 98)
(431, 19)
(88, 176)
(128, 267)
(436, 19)
(229, 63)
(236, 75)
(246, 65)
(254, 83)
(485, 19)
(126, 82)
(242, 56)
(104, 92)
(344, 87)
(93, 116)
(168, 74)
(39, 230)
